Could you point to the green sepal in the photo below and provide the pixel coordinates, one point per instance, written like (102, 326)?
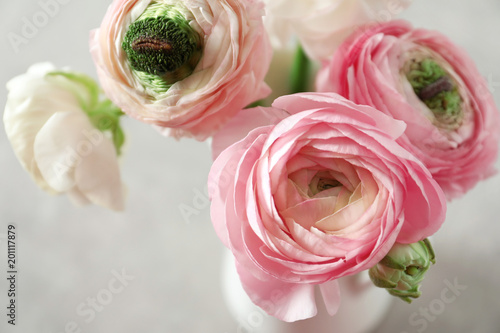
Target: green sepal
(406, 296)
(381, 283)
(106, 117)
(430, 250)
(85, 80)
(391, 263)
(103, 114)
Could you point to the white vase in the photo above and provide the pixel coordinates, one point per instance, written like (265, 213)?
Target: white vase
(363, 307)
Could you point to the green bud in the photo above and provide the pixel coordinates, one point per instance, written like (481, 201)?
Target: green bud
(402, 270)
(103, 114)
(162, 47)
(434, 86)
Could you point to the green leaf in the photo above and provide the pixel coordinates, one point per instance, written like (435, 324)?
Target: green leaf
(301, 72)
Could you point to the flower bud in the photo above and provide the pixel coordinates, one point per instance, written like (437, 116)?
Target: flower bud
(403, 269)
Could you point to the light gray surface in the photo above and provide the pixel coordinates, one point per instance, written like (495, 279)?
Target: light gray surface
(67, 254)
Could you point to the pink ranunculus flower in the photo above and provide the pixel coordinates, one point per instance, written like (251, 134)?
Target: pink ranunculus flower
(320, 192)
(321, 25)
(422, 78)
(186, 66)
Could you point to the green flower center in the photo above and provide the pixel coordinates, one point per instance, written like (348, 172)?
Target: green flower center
(162, 47)
(434, 86)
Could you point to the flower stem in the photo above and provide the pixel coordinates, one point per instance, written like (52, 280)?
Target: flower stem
(301, 70)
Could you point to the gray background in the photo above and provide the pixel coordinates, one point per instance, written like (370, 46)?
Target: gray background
(67, 254)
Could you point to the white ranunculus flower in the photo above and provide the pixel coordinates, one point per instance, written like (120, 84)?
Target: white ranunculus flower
(65, 136)
(321, 25)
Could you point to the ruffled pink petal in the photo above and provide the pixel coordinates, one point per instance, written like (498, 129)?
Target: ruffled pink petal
(230, 75)
(241, 124)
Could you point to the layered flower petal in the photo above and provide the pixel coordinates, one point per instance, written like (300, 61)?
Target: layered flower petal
(422, 78)
(52, 119)
(185, 66)
(322, 25)
(315, 196)
(285, 301)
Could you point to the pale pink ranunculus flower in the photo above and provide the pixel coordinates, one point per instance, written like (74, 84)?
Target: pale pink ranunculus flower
(321, 25)
(236, 53)
(312, 189)
(372, 68)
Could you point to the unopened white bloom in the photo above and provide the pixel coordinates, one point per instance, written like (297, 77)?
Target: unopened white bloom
(52, 119)
(321, 25)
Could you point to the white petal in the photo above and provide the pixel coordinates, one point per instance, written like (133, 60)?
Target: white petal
(71, 153)
(28, 108)
(98, 177)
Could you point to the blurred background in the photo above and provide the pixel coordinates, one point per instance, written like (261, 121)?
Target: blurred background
(170, 264)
